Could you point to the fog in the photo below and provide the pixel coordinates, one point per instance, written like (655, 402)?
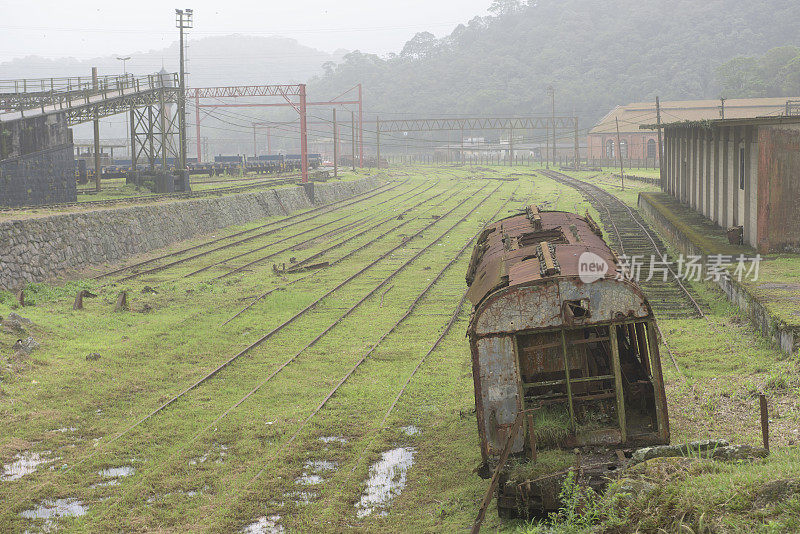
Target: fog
(85, 30)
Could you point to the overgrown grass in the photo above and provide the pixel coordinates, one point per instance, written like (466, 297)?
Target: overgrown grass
(192, 475)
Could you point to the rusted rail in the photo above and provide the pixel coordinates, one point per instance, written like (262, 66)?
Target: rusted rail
(342, 258)
(314, 213)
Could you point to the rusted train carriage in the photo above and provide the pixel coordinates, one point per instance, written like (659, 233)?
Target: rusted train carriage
(546, 336)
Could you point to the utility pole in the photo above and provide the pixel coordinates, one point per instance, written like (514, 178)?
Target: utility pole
(255, 147)
(547, 145)
(511, 147)
(353, 137)
(722, 107)
(269, 141)
(552, 92)
(577, 148)
(335, 146)
(183, 21)
(360, 128)
(125, 74)
(660, 166)
(303, 136)
(619, 154)
(378, 142)
(96, 124)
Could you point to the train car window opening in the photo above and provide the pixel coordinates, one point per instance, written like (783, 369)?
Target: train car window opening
(577, 309)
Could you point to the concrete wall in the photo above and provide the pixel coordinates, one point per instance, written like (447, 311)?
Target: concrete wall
(44, 177)
(34, 250)
(37, 165)
(714, 170)
(784, 336)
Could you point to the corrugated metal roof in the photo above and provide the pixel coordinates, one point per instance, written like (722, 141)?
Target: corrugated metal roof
(512, 252)
(633, 115)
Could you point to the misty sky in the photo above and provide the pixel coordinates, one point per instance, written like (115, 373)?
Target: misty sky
(86, 30)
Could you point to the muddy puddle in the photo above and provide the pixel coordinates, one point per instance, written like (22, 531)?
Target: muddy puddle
(387, 478)
(52, 511)
(265, 525)
(22, 464)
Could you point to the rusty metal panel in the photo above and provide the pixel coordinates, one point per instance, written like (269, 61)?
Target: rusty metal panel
(499, 400)
(539, 306)
(506, 243)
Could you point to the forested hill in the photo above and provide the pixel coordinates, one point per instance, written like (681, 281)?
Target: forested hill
(595, 53)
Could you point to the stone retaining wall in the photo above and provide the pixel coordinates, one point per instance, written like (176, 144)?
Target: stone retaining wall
(34, 250)
(783, 335)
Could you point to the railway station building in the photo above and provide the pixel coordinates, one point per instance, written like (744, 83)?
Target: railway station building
(740, 173)
(637, 145)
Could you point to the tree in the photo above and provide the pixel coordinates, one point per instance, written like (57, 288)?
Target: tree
(505, 7)
(420, 46)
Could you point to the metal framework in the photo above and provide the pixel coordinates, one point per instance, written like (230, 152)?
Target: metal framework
(474, 123)
(149, 100)
(83, 102)
(275, 90)
(154, 129)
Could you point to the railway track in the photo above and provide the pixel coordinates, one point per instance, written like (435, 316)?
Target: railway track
(261, 231)
(427, 248)
(295, 317)
(155, 197)
(629, 234)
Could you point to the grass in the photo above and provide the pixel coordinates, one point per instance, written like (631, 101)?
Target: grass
(194, 473)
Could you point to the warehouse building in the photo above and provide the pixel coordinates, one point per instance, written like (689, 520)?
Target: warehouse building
(637, 145)
(740, 173)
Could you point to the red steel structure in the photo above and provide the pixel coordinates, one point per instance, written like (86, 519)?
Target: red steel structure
(281, 90)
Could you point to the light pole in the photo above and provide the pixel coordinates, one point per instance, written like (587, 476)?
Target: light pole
(125, 73)
(183, 21)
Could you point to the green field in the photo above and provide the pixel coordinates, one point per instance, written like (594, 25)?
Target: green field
(291, 431)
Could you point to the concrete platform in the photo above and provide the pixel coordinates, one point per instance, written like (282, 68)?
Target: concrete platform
(772, 303)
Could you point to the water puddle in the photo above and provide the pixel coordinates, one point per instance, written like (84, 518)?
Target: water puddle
(308, 480)
(411, 430)
(301, 497)
(106, 484)
(265, 525)
(312, 470)
(23, 464)
(333, 439)
(319, 466)
(65, 429)
(51, 511)
(387, 478)
(199, 460)
(117, 472)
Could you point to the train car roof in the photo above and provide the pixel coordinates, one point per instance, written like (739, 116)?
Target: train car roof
(510, 251)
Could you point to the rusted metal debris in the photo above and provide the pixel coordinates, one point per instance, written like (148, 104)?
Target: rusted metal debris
(298, 268)
(762, 401)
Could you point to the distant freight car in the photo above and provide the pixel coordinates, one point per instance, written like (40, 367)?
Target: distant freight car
(564, 355)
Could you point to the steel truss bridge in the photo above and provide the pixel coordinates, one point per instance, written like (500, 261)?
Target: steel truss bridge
(148, 99)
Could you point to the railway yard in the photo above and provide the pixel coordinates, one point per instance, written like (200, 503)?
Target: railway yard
(309, 372)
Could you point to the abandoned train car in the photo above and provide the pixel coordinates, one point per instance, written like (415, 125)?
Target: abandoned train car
(550, 340)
